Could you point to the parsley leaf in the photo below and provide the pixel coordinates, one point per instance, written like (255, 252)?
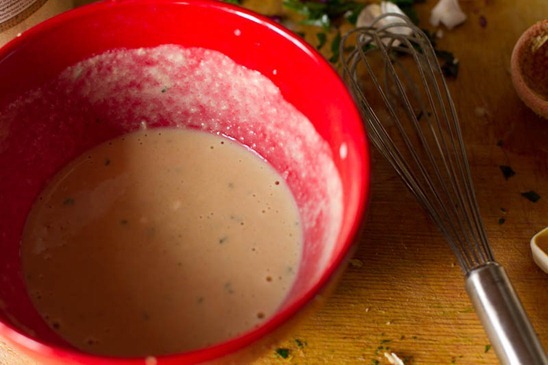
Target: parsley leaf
(450, 65)
(282, 352)
(322, 39)
(531, 195)
(507, 171)
(324, 13)
(335, 48)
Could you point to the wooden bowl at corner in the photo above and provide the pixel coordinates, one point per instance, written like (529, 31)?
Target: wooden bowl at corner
(529, 68)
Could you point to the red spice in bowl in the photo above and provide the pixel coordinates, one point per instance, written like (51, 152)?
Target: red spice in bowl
(529, 68)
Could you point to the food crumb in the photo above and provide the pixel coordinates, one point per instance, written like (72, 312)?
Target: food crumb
(482, 21)
(480, 111)
(393, 358)
(68, 201)
(356, 263)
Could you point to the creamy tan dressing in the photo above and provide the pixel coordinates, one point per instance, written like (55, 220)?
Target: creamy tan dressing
(161, 241)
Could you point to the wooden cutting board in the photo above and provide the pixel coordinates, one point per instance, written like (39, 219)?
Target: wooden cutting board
(403, 291)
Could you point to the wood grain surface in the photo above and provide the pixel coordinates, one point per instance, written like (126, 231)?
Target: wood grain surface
(403, 291)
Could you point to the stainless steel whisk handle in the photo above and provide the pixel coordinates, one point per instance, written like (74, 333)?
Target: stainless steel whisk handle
(503, 317)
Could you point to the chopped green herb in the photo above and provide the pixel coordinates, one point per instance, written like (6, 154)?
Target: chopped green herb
(531, 195)
(324, 13)
(322, 21)
(407, 7)
(300, 343)
(386, 341)
(375, 362)
(507, 171)
(68, 201)
(322, 39)
(335, 48)
(282, 352)
(381, 348)
(352, 15)
(237, 2)
(408, 360)
(487, 348)
(450, 65)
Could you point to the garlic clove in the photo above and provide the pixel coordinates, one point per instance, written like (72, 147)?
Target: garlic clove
(447, 12)
(539, 249)
(368, 17)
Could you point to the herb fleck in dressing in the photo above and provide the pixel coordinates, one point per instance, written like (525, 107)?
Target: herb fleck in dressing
(155, 243)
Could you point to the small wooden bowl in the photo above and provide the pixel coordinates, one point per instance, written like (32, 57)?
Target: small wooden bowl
(529, 68)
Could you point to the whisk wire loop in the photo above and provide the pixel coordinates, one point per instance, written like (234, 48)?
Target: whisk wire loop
(410, 117)
(412, 120)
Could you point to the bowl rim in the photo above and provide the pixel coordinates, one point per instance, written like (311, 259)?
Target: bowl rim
(233, 345)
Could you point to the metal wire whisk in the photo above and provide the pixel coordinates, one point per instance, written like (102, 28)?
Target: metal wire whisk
(394, 75)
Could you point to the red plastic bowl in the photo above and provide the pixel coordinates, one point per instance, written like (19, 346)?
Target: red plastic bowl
(304, 78)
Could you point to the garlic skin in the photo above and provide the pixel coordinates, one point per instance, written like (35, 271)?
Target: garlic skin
(447, 12)
(368, 15)
(371, 12)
